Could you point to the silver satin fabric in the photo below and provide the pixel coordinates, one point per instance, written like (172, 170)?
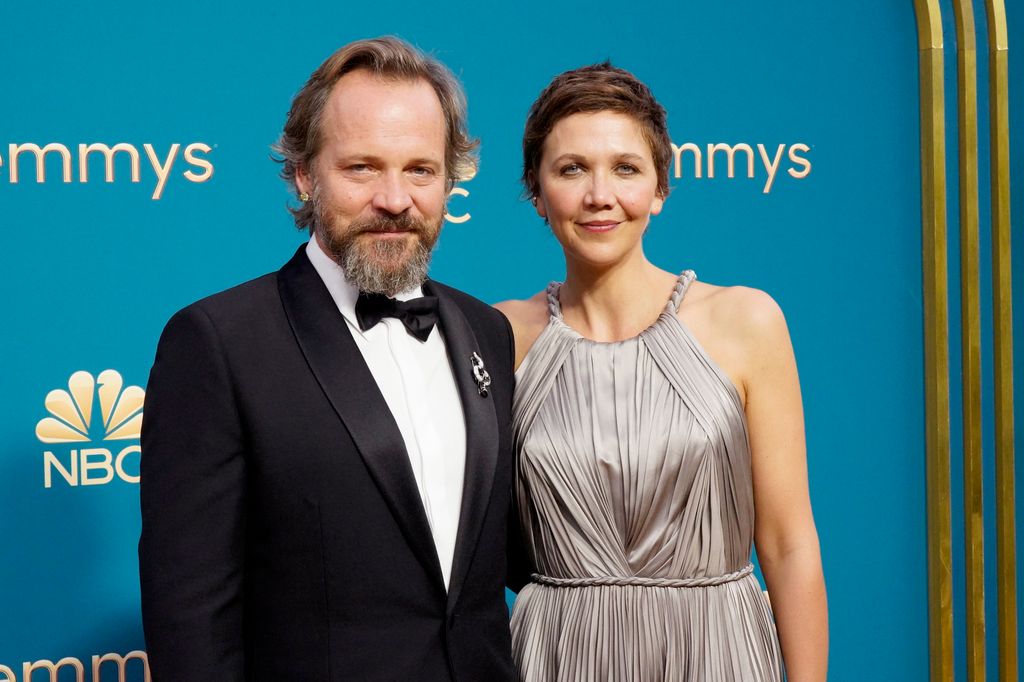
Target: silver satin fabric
(634, 463)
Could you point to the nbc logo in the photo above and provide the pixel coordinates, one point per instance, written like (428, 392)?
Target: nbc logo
(71, 420)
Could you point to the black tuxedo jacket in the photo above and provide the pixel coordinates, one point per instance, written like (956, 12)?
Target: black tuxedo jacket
(283, 537)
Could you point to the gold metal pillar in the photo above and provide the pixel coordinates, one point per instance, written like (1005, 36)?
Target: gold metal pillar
(936, 345)
(1002, 319)
(970, 338)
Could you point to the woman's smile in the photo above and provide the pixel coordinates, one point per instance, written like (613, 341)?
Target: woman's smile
(599, 225)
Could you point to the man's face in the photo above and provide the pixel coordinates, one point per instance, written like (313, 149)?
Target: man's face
(378, 182)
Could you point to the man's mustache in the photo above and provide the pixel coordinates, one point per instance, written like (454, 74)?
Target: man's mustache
(401, 223)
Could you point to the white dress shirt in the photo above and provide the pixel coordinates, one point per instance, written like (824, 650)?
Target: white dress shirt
(416, 380)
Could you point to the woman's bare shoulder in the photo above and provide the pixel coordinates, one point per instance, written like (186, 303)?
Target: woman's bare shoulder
(530, 311)
(745, 312)
(528, 318)
(741, 328)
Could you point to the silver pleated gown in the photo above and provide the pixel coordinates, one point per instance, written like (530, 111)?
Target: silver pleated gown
(635, 497)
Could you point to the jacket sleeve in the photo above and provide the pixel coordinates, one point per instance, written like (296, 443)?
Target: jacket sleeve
(517, 569)
(191, 553)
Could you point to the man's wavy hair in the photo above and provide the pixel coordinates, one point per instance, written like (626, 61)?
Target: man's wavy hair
(389, 58)
(589, 89)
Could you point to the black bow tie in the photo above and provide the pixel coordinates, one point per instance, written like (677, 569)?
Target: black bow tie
(419, 315)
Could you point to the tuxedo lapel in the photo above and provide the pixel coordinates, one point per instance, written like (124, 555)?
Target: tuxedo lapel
(481, 435)
(338, 365)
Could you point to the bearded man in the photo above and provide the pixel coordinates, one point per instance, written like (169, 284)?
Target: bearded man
(327, 462)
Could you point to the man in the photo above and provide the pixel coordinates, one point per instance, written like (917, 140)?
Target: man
(326, 474)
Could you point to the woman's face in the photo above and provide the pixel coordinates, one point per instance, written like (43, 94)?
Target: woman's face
(598, 186)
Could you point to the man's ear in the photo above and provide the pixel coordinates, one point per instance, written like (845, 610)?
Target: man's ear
(303, 182)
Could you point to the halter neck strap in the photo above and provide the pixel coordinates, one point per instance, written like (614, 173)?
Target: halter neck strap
(675, 300)
(682, 286)
(554, 306)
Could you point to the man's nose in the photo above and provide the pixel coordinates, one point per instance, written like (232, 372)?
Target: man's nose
(392, 194)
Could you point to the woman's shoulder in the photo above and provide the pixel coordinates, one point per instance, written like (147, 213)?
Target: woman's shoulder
(746, 311)
(736, 302)
(741, 328)
(533, 310)
(528, 318)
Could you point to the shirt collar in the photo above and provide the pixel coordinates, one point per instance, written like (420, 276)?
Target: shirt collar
(343, 291)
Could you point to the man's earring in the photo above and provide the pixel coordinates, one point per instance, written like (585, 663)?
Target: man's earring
(304, 197)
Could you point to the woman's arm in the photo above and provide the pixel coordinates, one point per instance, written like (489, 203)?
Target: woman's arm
(784, 532)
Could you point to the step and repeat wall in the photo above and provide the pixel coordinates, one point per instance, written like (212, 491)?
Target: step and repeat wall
(135, 178)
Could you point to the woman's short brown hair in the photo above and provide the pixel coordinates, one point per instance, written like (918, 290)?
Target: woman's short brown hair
(598, 87)
(389, 58)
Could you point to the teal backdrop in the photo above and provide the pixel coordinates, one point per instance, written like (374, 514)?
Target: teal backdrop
(92, 270)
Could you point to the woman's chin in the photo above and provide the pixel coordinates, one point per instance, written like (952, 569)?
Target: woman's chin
(593, 257)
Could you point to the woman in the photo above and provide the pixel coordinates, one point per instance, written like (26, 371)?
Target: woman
(659, 427)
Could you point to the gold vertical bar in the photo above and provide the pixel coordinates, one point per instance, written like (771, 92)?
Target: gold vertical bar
(1002, 319)
(936, 347)
(970, 337)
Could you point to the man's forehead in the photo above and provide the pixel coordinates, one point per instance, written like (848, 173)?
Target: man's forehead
(362, 103)
(374, 117)
(362, 89)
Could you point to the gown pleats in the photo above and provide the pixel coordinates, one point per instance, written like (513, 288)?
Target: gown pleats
(634, 472)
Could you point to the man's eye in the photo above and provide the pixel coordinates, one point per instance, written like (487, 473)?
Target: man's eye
(422, 171)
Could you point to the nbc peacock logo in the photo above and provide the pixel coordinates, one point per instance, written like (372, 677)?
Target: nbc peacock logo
(91, 410)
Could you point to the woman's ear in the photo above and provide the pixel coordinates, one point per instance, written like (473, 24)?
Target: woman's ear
(534, 189)
(657, 205)
(540, 207)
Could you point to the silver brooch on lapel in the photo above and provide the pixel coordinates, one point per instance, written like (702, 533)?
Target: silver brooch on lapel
(480, 375)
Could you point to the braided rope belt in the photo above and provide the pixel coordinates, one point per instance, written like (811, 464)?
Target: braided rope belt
(639, 581)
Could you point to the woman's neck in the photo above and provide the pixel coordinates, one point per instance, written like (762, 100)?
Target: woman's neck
(610, 303)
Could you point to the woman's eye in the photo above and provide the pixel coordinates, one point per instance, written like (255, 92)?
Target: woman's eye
(571, 169)
(627, 169)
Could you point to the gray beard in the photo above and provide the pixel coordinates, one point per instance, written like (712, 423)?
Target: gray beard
(371, 272)
(379, 267)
